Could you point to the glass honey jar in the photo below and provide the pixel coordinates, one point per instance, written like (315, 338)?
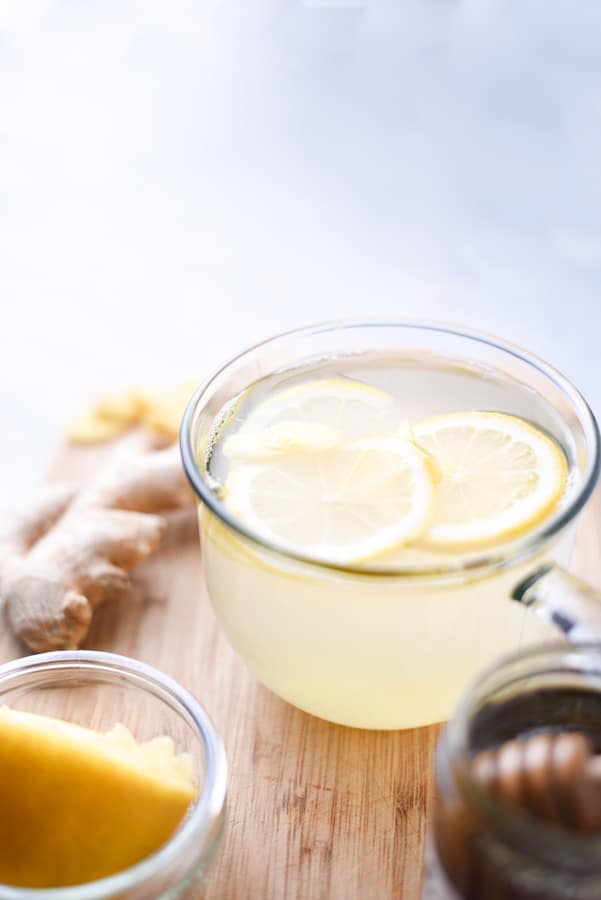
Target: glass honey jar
(489, 847)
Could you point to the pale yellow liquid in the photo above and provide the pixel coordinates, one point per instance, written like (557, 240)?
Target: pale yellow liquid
(374, 650)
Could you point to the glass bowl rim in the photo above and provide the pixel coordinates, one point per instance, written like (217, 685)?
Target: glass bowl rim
(483, 562)
(207, 808)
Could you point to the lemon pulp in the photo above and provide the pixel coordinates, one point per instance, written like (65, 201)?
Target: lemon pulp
(498, 476)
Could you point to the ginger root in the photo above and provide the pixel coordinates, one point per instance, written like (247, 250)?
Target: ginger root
(70, 551)
(159, 409)
(28, 525)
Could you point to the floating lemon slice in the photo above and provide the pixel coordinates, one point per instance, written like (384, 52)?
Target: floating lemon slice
(499, 476)
(351, 407)
(341, 505)
(285, 437)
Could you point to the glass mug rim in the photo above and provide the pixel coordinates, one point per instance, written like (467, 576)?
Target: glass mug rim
(206, 810)
(487, 561)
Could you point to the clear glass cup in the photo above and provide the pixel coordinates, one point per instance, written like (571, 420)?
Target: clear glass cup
(494, 851)
(96, 690)
(390, 649)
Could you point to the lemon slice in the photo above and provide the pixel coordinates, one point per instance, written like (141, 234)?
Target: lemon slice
(351, 407)
(341, 505)
(285, 437)
(499, 476)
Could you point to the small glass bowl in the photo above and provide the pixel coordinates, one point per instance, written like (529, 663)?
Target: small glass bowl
(97, 690)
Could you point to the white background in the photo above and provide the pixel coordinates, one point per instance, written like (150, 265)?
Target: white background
(179, 179)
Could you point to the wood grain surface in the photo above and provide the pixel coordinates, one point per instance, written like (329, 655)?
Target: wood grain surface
(315, 810)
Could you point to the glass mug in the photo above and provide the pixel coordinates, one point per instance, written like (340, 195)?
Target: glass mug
(393, 649)
(493, 850)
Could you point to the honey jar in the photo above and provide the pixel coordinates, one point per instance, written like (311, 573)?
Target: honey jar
(518, 806)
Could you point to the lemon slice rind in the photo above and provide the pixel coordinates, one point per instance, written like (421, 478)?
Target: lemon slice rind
(542, 478)
(371, 408)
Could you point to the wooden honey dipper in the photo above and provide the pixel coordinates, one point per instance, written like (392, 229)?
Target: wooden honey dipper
(552, 775)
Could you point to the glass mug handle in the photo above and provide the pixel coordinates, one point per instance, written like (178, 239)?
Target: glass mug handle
(566, 601)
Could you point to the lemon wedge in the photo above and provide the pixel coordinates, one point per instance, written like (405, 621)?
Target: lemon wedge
(341, 505)
(78, 804)
(351, 407)
(498, 476)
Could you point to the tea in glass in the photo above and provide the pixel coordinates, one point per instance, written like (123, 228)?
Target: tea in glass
(369, 510)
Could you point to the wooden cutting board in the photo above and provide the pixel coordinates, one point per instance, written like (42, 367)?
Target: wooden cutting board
(315, 810)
